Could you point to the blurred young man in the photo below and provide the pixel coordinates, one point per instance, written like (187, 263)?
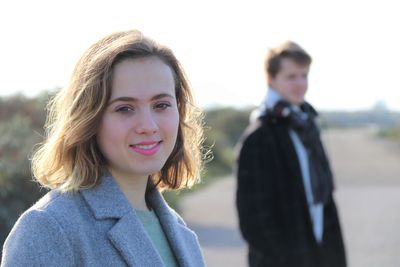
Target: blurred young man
(286, 209)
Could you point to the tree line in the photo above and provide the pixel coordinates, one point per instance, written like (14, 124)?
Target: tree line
(21, 128)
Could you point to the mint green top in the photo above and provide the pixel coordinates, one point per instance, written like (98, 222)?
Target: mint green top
(154, 230)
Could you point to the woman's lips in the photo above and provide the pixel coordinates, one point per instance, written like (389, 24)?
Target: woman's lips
(146, 148)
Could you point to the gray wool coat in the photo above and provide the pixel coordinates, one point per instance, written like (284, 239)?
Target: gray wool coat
(95, 227)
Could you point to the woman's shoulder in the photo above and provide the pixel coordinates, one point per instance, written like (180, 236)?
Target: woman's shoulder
(52, 209)
(37, 231)
(40, 214)
(56, 203)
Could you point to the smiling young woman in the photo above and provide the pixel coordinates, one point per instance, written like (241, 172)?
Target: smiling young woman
(123, 130)
(139, 127)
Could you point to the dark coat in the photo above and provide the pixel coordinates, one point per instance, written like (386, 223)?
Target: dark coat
(272, 206)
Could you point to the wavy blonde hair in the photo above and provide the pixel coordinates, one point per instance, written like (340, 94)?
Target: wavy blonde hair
(69, 159)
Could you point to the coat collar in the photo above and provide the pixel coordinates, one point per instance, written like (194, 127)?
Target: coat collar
(107, 201)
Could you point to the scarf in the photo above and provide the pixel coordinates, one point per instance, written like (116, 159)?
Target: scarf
(303, 123)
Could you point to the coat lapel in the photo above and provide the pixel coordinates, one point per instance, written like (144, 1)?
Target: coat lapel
(287, 147)
(181, 239)
(128, 235)
(130, 239)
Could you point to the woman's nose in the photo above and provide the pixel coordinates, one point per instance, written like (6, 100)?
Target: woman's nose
(146, 123)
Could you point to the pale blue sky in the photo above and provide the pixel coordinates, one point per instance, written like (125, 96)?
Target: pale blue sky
(220, 43)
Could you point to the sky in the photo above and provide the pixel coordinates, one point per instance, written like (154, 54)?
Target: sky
(221, 44)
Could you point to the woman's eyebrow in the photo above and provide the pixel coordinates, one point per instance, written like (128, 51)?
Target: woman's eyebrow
(123, 99)
(163, 95)
(133, 99)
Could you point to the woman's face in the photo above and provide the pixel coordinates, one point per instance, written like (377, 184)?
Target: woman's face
(139, 127)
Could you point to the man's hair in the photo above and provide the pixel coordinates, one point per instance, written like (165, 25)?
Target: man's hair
(287, 50)
(70, 159)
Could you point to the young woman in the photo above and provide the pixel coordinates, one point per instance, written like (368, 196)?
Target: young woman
(122, 131)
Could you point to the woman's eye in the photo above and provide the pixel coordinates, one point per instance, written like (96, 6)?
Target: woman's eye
(124, 109)
(162, 105)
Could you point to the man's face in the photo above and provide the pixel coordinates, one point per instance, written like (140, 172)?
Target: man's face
(291, 82)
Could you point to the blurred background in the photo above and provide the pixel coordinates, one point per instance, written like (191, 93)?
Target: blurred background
(221, 44)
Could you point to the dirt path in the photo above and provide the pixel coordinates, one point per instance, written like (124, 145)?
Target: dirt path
(367, 192)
